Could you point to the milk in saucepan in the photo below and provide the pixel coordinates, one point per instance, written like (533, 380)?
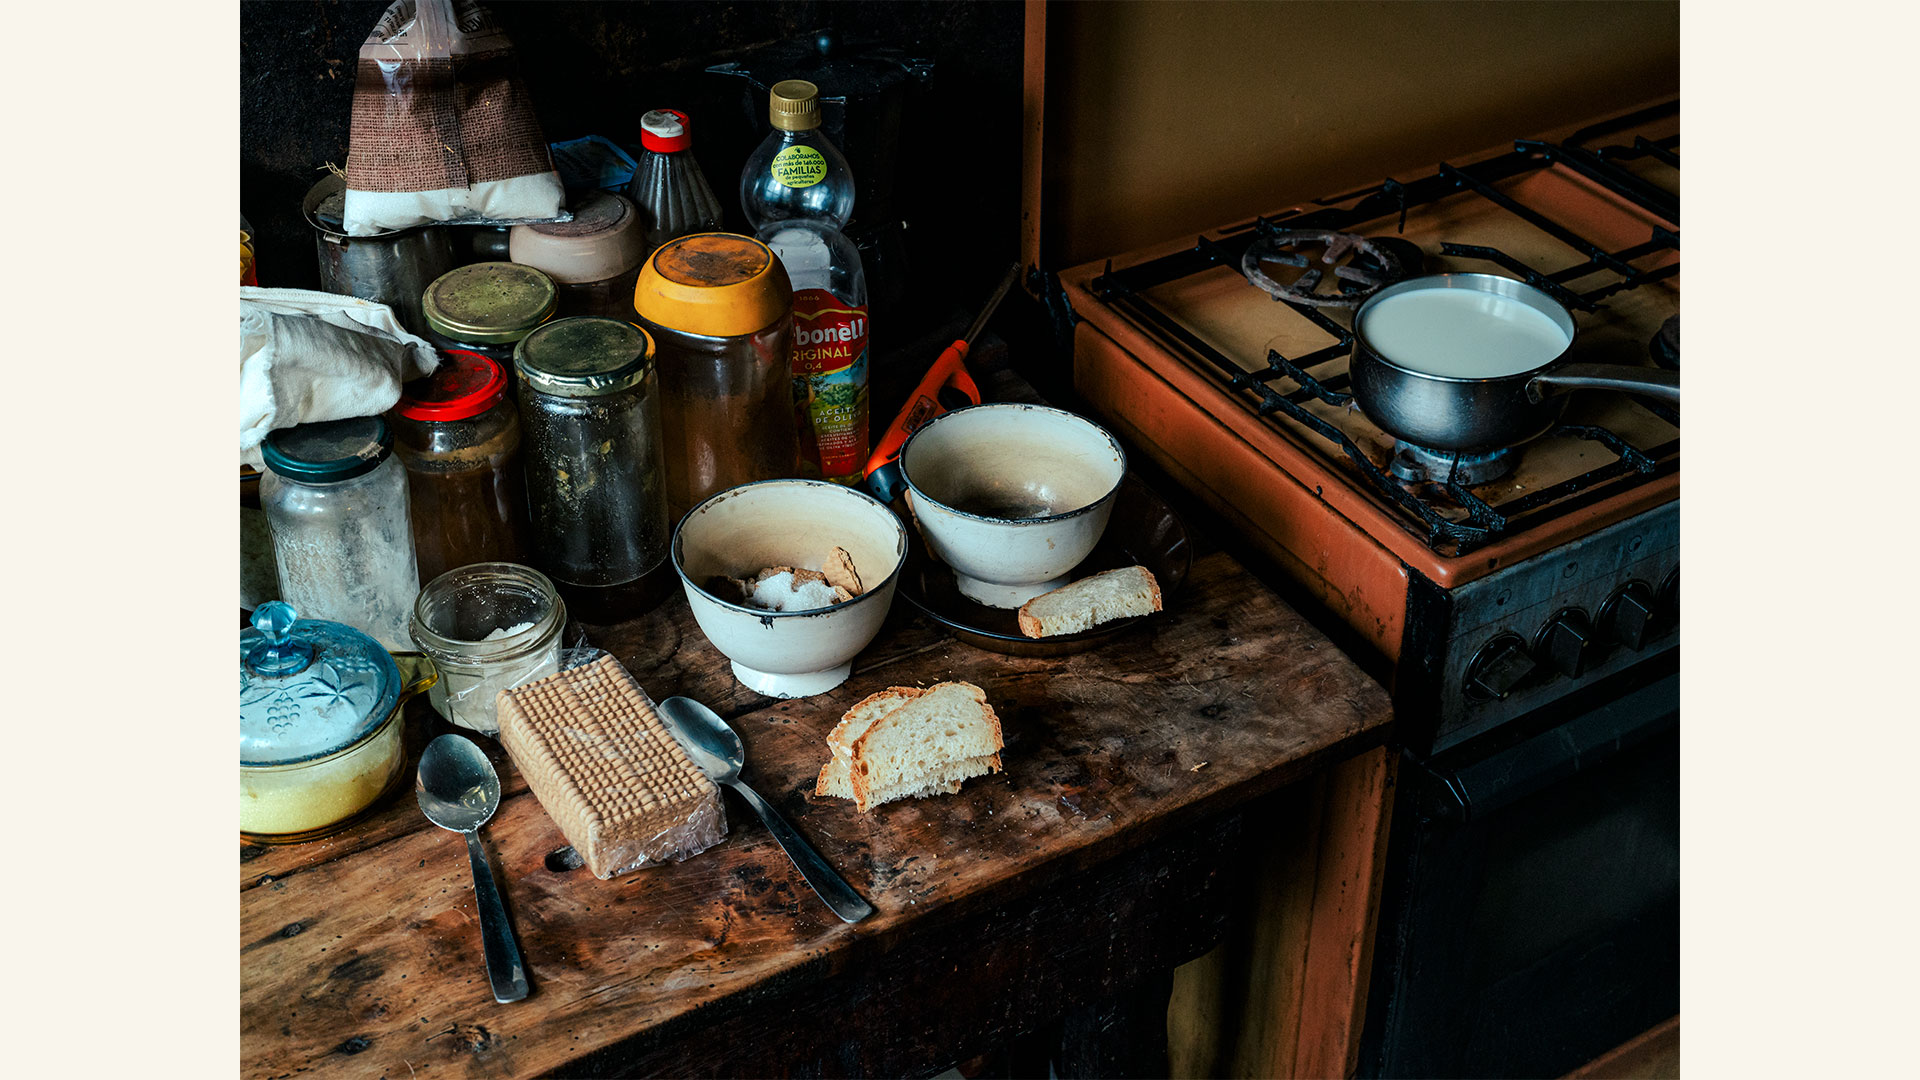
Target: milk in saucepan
(1462, 333)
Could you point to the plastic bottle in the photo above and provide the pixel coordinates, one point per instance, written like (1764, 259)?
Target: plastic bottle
(796, 172)
(829, 346)
(668, 186)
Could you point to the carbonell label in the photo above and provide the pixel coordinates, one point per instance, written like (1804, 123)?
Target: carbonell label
(830, 383)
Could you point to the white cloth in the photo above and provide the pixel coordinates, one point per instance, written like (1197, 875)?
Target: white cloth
(307, 356)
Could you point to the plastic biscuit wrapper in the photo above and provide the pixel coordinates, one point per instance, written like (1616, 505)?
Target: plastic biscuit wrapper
(607, 769)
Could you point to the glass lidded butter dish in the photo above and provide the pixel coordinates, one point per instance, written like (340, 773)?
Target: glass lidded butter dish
(320, 729)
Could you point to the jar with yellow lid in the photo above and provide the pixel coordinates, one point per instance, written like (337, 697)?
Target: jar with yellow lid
(488, 307)
(720, 309)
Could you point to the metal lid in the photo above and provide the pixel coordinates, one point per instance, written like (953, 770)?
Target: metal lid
(489, 303)
(665, 131)
(794, 105)
(465, 385)
(309, 688)
(328, 452)
(584, 356)
(714, 285)
(605, 239)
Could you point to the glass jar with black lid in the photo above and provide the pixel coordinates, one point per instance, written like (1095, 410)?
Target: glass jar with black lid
(596, 486)
(459, 437)
(488, 307)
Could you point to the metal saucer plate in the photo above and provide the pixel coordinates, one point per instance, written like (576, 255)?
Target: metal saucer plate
(1143, 530)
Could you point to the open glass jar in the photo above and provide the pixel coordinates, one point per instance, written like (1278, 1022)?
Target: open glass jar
(487, 627)
(320, 728)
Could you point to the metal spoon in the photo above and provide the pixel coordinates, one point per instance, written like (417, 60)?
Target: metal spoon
(459, 790)
(716, 748)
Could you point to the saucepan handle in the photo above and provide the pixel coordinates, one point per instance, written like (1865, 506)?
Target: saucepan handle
(1644, 381)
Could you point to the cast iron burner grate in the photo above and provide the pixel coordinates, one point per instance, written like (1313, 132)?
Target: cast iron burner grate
(1361, 266)
(1438, 503)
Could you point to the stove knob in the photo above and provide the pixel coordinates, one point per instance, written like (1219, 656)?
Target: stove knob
(1499, 666)
(1667, 608)
(1628, 614)
(1565, 643)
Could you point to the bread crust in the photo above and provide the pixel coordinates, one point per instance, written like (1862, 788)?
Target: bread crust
(1030, 624)
(858, 773)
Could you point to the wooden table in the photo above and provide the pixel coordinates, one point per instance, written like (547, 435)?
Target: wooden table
(1098, 859)
(1055, 897)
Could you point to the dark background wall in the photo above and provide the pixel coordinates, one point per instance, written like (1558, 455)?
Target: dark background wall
(594, 68)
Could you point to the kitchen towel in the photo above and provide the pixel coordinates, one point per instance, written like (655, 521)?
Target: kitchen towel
(312, 356)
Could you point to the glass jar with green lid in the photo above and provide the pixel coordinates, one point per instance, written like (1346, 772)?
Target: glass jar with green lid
(595, 465)
(336, 499)
(488, 307)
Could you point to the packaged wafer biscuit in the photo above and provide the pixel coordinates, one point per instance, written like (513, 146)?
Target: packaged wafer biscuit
(607, 769)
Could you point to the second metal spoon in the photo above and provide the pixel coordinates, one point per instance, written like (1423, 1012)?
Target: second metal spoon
(716, 749)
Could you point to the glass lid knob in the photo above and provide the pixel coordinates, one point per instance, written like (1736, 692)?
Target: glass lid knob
(279, 652)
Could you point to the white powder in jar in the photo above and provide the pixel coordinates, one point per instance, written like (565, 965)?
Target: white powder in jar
(469, 690)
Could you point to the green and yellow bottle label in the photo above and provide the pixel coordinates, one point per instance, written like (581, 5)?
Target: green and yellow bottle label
(830, 384)
(799, 166)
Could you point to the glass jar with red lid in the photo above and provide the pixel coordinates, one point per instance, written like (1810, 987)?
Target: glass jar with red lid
(458, 435)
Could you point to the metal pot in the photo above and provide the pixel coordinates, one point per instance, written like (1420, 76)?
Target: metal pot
(1441, 412)
(392, 268)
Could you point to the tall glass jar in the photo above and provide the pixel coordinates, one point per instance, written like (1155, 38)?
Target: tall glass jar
(336, 498)
(459, 438)
(595, 464)
(487, 307)
(593, 259)
(487, 627)
(720, 309)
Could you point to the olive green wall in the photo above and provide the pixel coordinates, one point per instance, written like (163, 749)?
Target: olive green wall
(1164, 119)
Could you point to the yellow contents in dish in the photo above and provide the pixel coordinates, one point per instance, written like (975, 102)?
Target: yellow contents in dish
(279, 802)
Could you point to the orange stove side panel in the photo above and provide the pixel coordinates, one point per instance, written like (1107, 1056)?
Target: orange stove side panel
(1360, 581)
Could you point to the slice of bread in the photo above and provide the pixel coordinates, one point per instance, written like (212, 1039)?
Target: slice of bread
(1085, 604)
(865, 713)
(918, 744)
(944, 780)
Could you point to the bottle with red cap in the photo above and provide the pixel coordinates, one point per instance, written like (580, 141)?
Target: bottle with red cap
(458, 434)
(672, 193)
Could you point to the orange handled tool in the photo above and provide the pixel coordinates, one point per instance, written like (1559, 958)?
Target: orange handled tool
(945, 387)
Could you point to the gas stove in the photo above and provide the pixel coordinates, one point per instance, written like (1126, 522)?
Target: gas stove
(1493, 583)
(1523, 601)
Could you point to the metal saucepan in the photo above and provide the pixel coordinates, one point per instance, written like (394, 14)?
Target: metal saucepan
(1468, 414)
(392, 268)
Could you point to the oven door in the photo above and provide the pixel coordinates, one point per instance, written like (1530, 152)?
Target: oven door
(1531, 918)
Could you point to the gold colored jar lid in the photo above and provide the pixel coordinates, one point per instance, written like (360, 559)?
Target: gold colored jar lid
(714, 285)
(794, 105)
(489, 303)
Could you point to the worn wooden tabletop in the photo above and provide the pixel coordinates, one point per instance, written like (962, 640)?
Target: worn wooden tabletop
(360, 954)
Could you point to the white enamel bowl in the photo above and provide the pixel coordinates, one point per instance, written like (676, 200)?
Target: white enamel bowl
(1011, 496)
(745, 529)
